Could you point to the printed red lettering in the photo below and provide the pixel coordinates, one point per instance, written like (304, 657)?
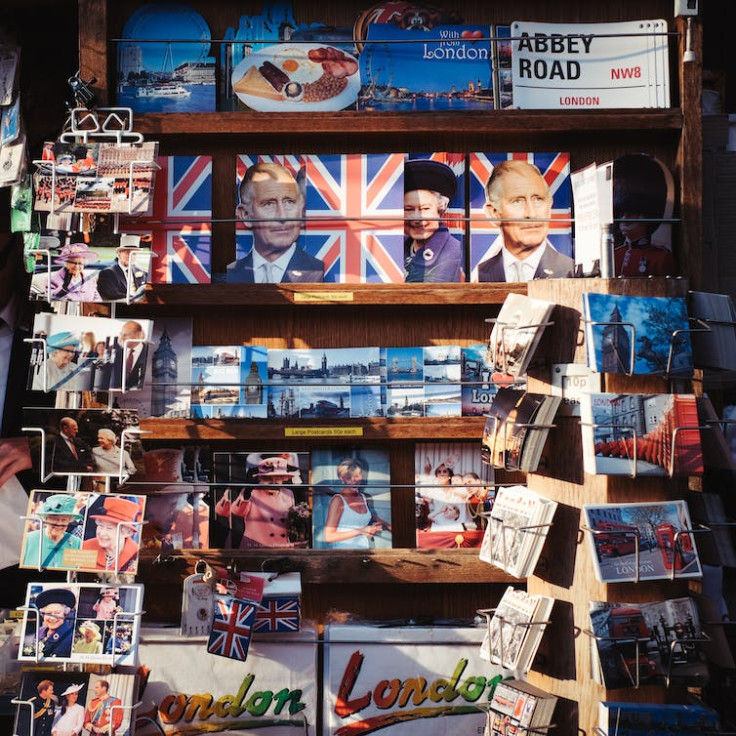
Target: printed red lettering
(632, 72)
(343, 706)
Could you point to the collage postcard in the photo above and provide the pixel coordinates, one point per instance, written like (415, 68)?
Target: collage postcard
(81, 622)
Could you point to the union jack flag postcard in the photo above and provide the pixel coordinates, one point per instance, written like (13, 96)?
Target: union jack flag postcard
(277, 613)
(231, 627)
(353, 215)
(180, 224)
(485, 234)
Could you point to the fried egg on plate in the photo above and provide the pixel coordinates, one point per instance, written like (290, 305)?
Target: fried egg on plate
(296, 64)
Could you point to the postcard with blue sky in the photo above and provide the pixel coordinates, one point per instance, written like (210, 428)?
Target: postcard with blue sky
(170, 76)
(442, 400)
(309, 401)
(404, 365)
(638, 334)
(442, 364)
(229, 381)
(324, 365)
(438, 69)
(405, 400)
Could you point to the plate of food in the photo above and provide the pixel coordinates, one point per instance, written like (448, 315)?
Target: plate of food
(297, 78)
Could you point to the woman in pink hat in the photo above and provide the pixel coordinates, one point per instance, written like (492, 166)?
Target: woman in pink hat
(70, 283)
(266, 510)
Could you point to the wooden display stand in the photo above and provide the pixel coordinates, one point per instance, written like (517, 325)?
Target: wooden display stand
(405, 582)
(569, 575)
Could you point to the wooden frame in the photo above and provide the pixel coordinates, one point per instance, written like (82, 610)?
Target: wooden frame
(443, 314)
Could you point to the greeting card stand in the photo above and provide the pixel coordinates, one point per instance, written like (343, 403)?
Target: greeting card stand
(102, 123)
(570, 577)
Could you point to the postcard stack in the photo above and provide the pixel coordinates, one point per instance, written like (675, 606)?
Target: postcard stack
(88, 353)
(93, 268)
(265, 499)
(68, 700)
(656, 643)
(518, 707)
(517, 529)
(516, 334)
(714, 343)
(516, 429)
(515, 629)
(95, 177)
(90, 529)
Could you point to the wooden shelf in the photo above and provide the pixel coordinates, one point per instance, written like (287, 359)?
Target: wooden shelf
(322, 566)
(378, 428)
(329, 294)
(397, 123)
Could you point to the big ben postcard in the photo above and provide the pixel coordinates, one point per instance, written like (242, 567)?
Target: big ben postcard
(229, 381)
(637, 334)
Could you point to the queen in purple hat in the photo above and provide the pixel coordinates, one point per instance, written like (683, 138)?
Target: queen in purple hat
(70, 282)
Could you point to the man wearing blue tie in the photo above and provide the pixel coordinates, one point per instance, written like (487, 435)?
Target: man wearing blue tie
(272, 203)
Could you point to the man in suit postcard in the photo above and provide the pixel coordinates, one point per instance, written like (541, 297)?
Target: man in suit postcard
(518, 196)
(273, 203)
(70, 454)
(130, 357)
(125, 278)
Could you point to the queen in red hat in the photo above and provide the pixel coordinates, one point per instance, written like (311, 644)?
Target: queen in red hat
(115, 523)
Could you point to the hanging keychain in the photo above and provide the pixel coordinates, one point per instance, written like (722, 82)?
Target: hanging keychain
(197, 601)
